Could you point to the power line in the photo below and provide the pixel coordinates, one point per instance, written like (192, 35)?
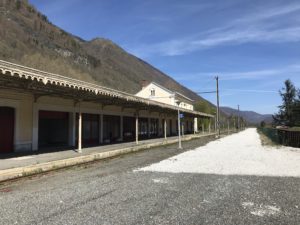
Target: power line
(206, 92)
(208, 82)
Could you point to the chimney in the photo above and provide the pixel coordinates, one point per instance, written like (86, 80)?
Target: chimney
(144, 83)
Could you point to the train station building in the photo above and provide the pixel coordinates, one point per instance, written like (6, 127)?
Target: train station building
(41, 110)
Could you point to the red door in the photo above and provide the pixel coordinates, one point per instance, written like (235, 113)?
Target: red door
(7, 124)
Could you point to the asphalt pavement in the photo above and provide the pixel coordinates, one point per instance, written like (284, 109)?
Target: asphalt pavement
(113, 192)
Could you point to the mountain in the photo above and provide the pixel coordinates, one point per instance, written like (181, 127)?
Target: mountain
(250, 116)
(28, 38)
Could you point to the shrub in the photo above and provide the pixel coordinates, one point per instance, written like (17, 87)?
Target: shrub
(18, 4)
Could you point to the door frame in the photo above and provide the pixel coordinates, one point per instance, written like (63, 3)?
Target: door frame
(9, 120)
(15, 104)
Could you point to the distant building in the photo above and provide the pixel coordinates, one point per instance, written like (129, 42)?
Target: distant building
(156, 92)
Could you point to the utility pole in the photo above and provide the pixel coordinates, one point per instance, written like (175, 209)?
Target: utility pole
(179, 124)
(217, 117)
(218, 106)
(238, 117)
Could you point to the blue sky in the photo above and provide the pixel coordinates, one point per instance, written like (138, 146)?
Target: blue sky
(252, 45)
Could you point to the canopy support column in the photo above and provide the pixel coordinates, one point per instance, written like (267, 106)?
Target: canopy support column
(179, 132)
(195, 125)
(79, 129)
(136, 128)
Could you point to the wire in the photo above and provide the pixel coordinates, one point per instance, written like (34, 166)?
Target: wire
(204, 85)
(206, 92)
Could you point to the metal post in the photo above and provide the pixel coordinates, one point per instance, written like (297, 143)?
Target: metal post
(165, 128)
(202, 127)
(79, 129)
(209, 126)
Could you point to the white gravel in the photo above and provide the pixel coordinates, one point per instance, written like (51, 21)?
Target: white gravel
(237, 154)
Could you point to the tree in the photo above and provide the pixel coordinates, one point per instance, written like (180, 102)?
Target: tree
(262, 124)
(204, 106)
(296, 111)
(18, 4)
(289, 100)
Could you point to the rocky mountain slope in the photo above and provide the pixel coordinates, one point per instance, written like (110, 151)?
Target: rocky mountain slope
(28, 38)
(250, 116)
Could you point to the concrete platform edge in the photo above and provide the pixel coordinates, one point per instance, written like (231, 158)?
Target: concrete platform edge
(14, 173)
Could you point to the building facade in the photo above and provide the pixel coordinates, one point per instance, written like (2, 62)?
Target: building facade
(156, 92)
(40, 110)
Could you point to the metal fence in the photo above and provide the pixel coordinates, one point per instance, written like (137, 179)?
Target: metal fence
(289, 138)
(283, 136)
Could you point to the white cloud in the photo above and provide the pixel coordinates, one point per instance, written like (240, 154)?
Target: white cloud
(233, 37)
(251, 28)
(272, 12)
(290, 70)
(250, 90)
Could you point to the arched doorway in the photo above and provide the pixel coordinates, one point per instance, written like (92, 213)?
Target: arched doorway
(7, 124)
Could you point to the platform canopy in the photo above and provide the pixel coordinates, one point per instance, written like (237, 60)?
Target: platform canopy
(41, 83)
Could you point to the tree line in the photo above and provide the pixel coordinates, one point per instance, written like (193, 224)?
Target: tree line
(289, 110)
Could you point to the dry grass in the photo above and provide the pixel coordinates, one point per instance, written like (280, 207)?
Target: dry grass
(265, 140)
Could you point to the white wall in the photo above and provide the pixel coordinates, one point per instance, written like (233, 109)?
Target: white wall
(22, 103)
(186, 105)
(26, 122)
(163, 95)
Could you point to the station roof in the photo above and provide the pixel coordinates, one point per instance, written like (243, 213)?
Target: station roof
(41, 83)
